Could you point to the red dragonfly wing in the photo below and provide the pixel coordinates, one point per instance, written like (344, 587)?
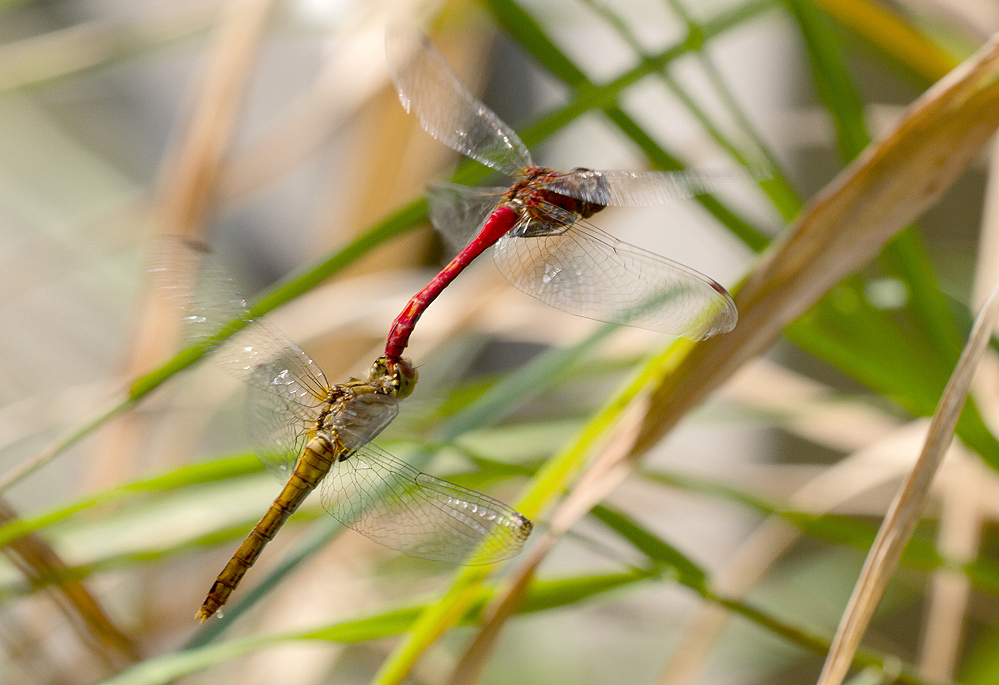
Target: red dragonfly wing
(641, 188)
(574, 266)
(286, 385)
(446, 109)
(458, 212)
(404, 509)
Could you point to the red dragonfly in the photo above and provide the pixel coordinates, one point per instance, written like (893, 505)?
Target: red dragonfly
(312, 433)
(543, 243)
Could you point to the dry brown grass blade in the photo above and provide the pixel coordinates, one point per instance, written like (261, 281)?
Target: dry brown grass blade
(188, 181)
(965, 496)
(67, 52)
(351, 77)
(874, 441)
(43, 568)
(962, 517)
(604, 474)
(905, 510)
(888, 186)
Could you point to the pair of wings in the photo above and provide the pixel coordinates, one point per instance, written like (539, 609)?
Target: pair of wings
(570, 264)
(445, 108)
(370, 490)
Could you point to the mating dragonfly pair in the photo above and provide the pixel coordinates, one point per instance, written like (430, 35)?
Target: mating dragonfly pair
(311, 432)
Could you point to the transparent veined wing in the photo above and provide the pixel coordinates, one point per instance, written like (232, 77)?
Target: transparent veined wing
(194, 283)
(446, 110)
(361, 419)
(583, 271)
(457, 212)
(404, 509)
(286, 385)
(209, 300)
(641, 188)
(281, 426)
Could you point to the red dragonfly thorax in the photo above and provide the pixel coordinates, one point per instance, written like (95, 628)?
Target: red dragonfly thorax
(530, 192)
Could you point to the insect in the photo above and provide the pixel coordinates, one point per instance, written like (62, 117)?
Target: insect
(538, 226)
(312, 433)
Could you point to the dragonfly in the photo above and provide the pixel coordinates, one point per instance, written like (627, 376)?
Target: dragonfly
(543, 243)
(312, 433)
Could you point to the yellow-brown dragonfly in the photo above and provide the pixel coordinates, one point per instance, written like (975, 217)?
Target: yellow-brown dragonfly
(309, 431)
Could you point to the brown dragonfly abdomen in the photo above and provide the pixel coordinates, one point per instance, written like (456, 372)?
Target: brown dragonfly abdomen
(312, 466)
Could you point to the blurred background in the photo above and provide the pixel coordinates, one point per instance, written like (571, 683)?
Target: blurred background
(271, 131)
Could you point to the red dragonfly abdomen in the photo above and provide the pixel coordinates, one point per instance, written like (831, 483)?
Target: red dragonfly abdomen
(315, 462)
(500, 221)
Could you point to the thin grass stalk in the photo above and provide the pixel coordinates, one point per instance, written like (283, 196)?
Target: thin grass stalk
(66, 53)
(962, 516)
(965, 495)
(905, 510)
(778, 188)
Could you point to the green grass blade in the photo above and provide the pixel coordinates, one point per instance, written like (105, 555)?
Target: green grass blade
(832, 80)
(546, 486)
(688, 574)
(653, 547)
(532, 37)
(184, 476)
(905, 254)
(544, 595)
